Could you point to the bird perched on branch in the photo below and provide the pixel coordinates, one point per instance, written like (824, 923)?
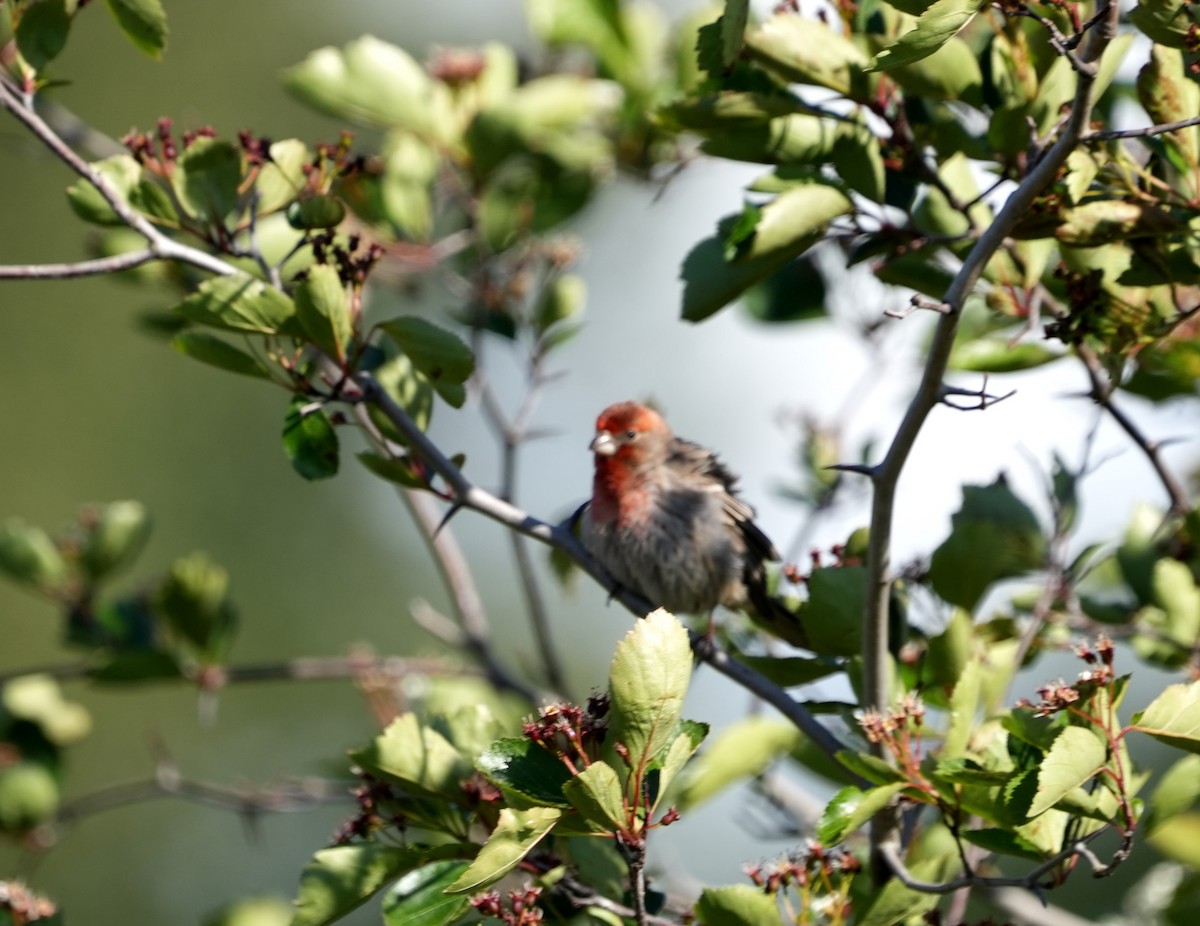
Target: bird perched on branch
(665, 520)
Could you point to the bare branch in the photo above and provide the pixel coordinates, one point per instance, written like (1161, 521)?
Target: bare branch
(1145, 132)
(81, 268)
(163, 247)
(1102, 395)
(918, 302)
(984, 399)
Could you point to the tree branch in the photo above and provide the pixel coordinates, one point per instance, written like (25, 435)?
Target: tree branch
(1102, 392)
(1144, 132)
(886, 477)
(82, 268)
(163, 247)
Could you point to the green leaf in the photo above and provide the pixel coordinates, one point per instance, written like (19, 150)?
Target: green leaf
(117, 533)
(1077, 755)
(852, 808)
(517, 832)
(419, 898)
(788, 226)
(282, 178)
(29, 556)
(406, 188)
(522, 766)
(309, 440)
(238, 303)
(402, 470)
(42, 32)
(194, 602)
(874, 769)
(964, 704)
(733, 30)
(1167, 22)
(437, 354)
(737, 905)
(805, 50)
(790, 671)
(418, 757)
(373, 82)
(144, 23)
(996, 355)
(895, 903)
(1005, 842)
(691, 735)
(252, 911)
(994, 536)
(29, 796)
(123, 174)
(740, 751)
(648, 679)
(136, 666)
(206, 179)
(342, 878)
(208, 348)
(596, 793)
(832, 615)
(323, 310)
(1178, 791)
(943, 20)
(1174, 717)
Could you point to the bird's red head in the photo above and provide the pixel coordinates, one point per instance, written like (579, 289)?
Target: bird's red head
(628, 432)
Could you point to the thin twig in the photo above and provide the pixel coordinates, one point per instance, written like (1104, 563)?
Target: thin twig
(928, 392)
(80, 268)
(1102, 394)
(164, 248)
(1145, 132)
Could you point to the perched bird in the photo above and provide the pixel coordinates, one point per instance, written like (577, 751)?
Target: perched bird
(665, 520)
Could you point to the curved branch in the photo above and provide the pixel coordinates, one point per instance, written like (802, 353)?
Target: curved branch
(162, 246)
(81, 268)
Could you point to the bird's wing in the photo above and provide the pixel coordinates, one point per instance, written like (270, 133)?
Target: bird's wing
(693, 458)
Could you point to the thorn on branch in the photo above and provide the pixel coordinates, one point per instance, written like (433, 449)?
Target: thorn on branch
(920, 302)
(863, 469)
(983, 398)
(456, 506)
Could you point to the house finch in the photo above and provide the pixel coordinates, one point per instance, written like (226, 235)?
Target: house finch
(665, 521)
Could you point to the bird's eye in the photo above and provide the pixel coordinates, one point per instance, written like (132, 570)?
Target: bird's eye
(631, 434)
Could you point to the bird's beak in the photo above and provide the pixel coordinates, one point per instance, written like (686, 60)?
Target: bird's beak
(603, 445)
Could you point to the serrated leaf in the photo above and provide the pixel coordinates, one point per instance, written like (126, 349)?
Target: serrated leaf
(441, 357)
(805, 50)
(238, 303)
(522, 766)
(648, 679)
(1076, 755)
(516, 833)
(342, 878)
(1173, 717)
(964, 704)
(282, 178)
(852, 808)
(310, 440)
(994, 536)
(788, 226)
(144, 23)
(597, 794)
(418, 756)
(940, 22)
(691, 735)
(42, 32)
(209, 349)
(323, 310)
(742, 750)
(207, 177)
(1004, 842)
(872, 768)
(419, 898)
(737, 905)
(733, 29)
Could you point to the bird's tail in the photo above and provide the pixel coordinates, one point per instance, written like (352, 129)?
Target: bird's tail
(770, 613)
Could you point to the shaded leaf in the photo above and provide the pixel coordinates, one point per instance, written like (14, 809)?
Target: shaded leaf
(42, 32)
(440, 356)
(323, 310)
(206, 178)
(117, 533)
(740, 751)
(522, 766)
(852, 808)
(419, 898)
(209, 349)
(940, 22)
(596, 793)
(310, 441)
(737, 905)
(29, 556)
(238, 303)
(417, 756)
(144, 23)
(1173, 717)
(1076, 755)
